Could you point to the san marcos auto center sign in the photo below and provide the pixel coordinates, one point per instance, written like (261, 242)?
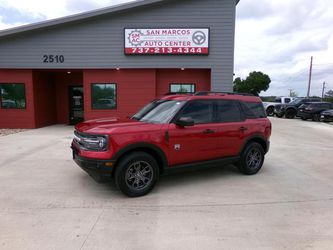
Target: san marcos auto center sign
(167, 41)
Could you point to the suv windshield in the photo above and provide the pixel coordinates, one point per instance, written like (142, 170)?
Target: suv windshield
(163, 112)
(142, 112)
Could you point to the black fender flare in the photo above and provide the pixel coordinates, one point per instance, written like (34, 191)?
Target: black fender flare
(143, 146)
(257, 138)
(291, 108)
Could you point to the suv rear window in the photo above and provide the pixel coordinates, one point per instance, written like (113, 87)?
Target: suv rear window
(253, 110)
(228, 111)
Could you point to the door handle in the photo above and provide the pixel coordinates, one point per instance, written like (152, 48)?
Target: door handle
(243, 129)
(208, 131)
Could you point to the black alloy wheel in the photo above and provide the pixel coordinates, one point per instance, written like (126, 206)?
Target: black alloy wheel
(136, 174)
(139, 175)
(252, 159)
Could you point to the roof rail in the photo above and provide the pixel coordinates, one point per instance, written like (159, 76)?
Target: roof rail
(205, 93)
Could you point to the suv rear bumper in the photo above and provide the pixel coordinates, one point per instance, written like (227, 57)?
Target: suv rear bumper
(98, 169)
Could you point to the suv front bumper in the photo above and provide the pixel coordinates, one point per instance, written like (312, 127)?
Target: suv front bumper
(99, 170)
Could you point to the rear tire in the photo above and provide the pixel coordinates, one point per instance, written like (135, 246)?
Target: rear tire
(252, 159)
(270, 111)
(279, 115)
(303, 118)
(136, 174)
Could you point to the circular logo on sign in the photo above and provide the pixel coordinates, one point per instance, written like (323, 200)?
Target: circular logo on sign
(135, 38)
(199, 38)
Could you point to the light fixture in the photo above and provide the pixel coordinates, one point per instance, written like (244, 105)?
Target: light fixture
(69, 72)
(182, 69)
(117, 68)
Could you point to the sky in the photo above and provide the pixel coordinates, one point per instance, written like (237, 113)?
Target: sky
(275, 37)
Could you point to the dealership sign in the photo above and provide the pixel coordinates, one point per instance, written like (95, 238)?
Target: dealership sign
(167, 41)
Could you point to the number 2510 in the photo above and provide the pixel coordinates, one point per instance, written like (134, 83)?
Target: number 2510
(53, 59)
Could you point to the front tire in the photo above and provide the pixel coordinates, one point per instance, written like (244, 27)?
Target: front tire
(290, 114)
(316, 118)
(252, 159)
(136, 174)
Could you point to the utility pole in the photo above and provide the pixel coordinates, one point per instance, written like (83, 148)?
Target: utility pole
(323, 92)
(290, 91)
(310, 77)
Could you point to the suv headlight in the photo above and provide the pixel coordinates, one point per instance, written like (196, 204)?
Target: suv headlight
(91, 142)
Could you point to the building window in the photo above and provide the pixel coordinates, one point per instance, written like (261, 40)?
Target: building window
(12, 96)
(104, 95)
(182, 88)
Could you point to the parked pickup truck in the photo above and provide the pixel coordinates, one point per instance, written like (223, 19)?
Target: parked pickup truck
(289, 110)
(270, 106)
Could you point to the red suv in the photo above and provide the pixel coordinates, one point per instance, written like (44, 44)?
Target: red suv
(175, 132)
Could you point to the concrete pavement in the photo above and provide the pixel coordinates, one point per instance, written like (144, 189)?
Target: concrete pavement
(47, 202)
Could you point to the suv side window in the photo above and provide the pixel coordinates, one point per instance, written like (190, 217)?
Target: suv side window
(200, 111)
(253, 110)
(228, 111)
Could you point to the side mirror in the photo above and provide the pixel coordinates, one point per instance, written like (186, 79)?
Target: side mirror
(185, 122)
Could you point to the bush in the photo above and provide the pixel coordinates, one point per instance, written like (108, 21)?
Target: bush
(328, 99)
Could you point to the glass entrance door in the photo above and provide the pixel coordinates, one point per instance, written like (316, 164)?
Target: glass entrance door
(76, 104)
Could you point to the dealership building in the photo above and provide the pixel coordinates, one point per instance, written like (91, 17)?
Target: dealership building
(112, 61)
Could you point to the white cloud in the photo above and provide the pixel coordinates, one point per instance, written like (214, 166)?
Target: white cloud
(54, 9)
(36, 8)
(281, 40)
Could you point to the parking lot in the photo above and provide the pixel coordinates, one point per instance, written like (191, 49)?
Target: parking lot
(47, 202)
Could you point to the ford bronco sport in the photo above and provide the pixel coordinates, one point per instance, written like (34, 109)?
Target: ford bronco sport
(180, 131)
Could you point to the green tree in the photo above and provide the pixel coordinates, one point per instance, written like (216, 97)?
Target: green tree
(293, 93)
(329, 93)
(253, 84)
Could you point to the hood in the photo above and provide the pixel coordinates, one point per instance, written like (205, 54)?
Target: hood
(282, 105)
(104, 125)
